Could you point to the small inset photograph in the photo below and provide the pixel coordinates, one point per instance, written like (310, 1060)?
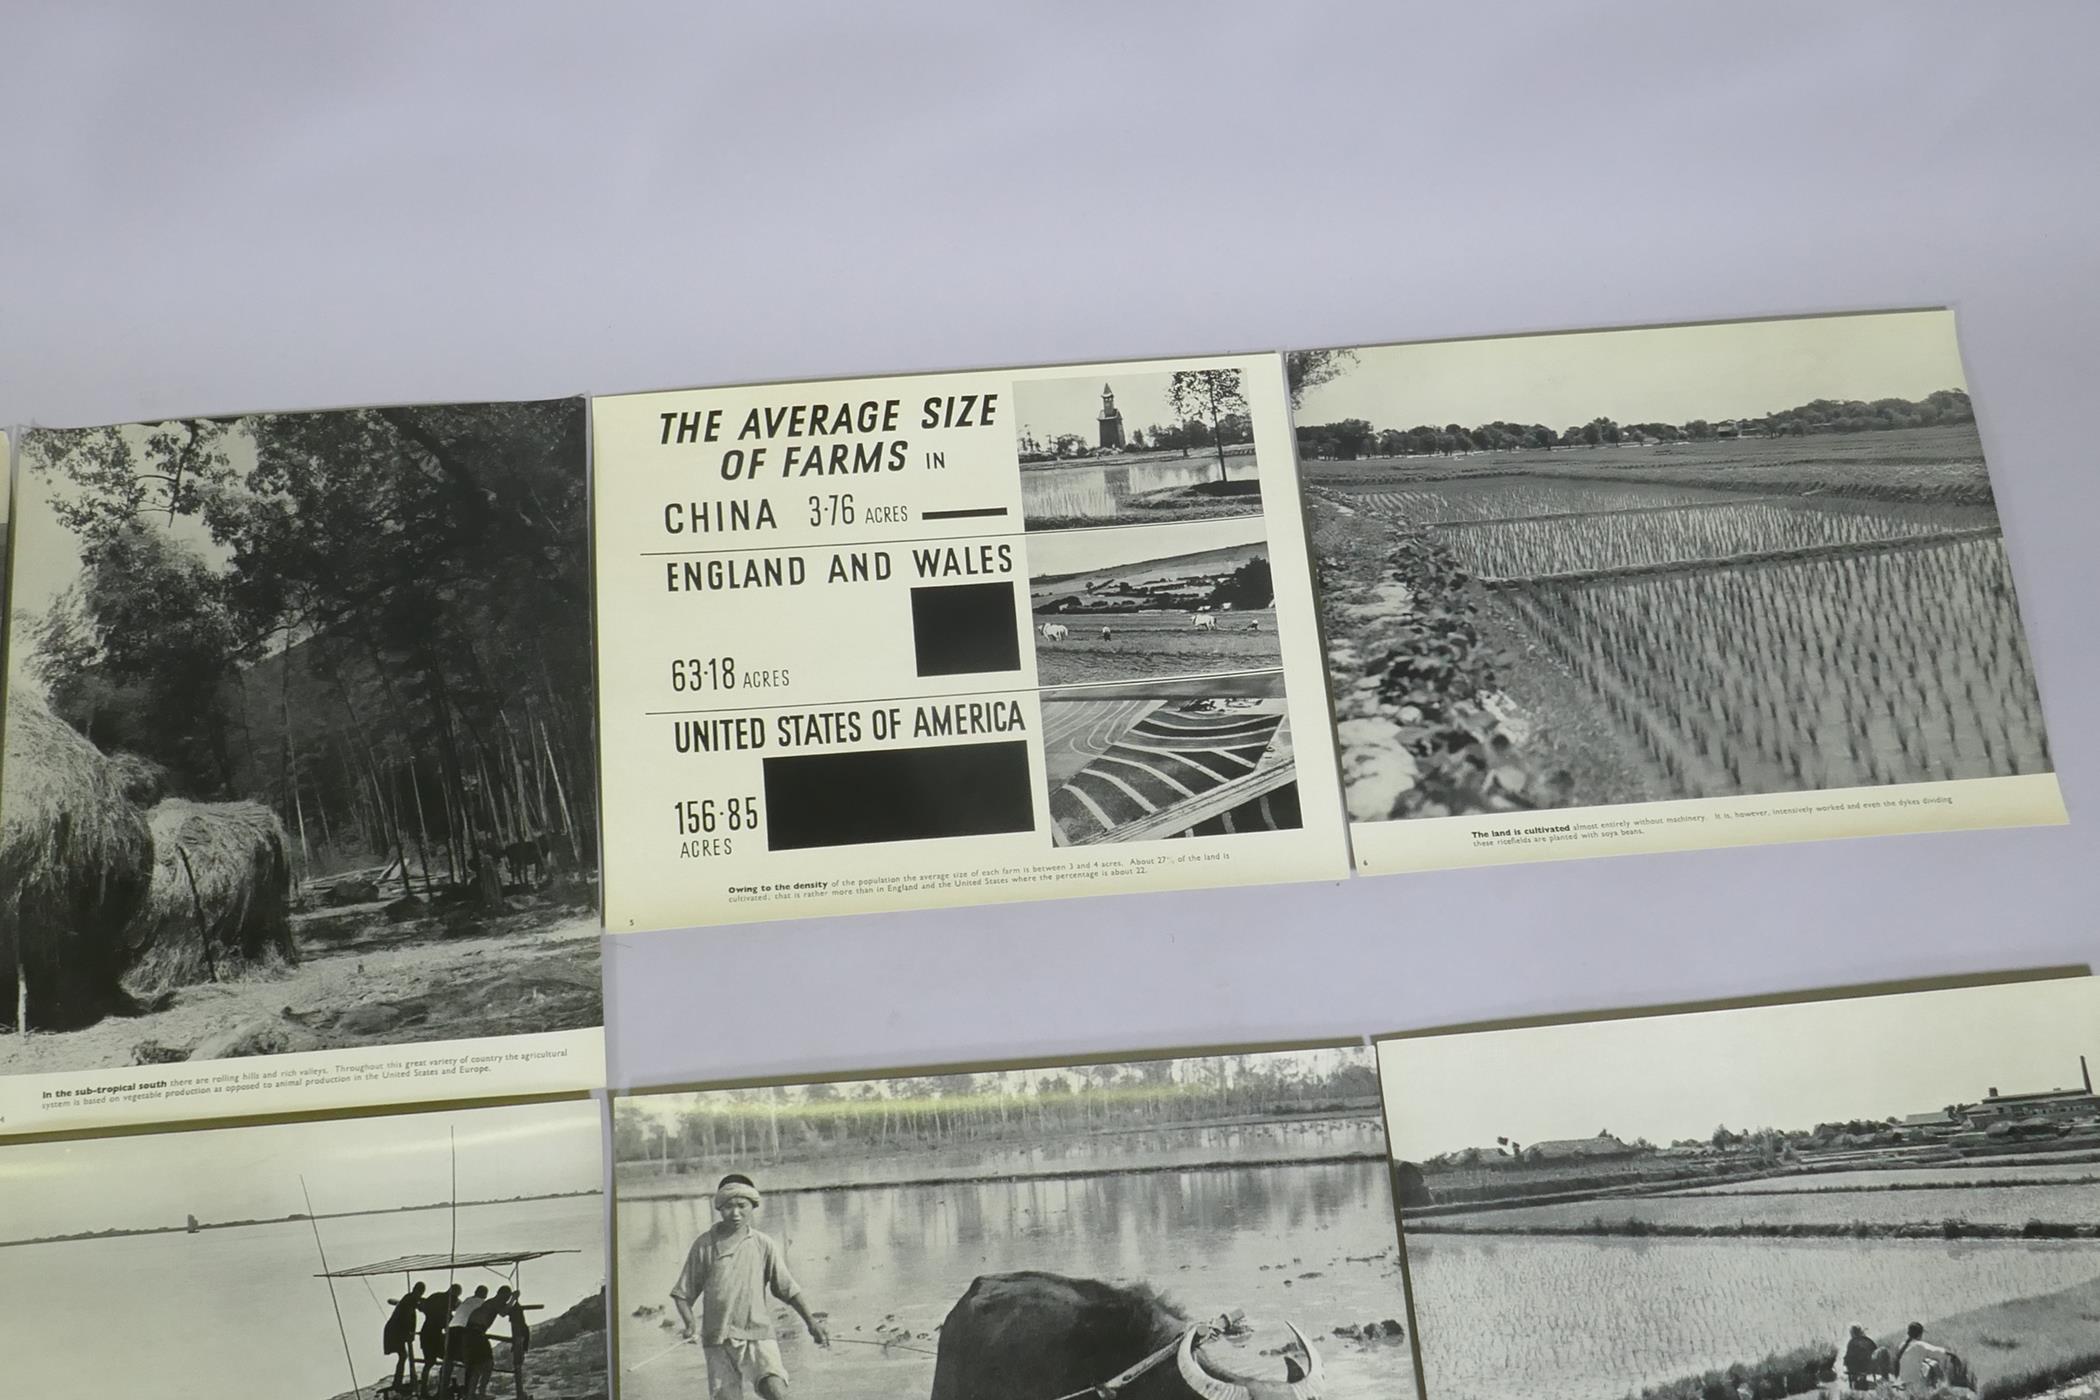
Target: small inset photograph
(424, 1254)
(1215, 1226)
(1135, 449)
(1891, 1196)
(1122, 605)
(1146, 762)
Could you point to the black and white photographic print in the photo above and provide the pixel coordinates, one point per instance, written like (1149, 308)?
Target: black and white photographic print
(1894, 1194)
(441, 1254)
(1217, 1226)
(1117, 605)
(299, 738)
(1135, 449)
(1205, 757)
(1634, 566)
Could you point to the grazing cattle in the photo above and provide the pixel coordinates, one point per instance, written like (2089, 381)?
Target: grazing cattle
(1038, 1336)
(1206, 622)
(1055, 631)
(526, 857)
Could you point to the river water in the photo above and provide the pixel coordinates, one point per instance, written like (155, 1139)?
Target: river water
(1097, 490)
(1311, 1242)
(239, 1311)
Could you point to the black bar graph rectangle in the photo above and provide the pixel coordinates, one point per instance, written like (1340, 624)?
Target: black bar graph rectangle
(965, 629)
(858, 799)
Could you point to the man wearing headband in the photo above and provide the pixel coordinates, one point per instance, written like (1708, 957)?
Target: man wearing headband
(731, 1271)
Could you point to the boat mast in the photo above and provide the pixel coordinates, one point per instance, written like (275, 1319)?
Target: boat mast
(341, 1330)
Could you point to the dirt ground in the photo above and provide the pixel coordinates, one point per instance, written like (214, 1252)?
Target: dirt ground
(362, 979)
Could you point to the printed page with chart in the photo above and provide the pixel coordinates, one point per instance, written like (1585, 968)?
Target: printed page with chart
(298, 806)
(958, 638)
(1665, 589)
(1834, 1195)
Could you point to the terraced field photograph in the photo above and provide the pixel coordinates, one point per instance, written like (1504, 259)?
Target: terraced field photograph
(1156, 760)
(1763, 1201)
(1764, 558)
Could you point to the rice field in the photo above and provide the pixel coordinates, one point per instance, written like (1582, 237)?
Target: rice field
(1836, 671)
(2003, 1205)
(1951, 1174)
(1475, 499)
(1724, 619)
(1514, 1317)
(1643, 539)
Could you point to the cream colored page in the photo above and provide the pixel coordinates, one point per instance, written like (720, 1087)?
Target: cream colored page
(1672, 1196)
(297, 806)
(951, 639)
(1666, 589)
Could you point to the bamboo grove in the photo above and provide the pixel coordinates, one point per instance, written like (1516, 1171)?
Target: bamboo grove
(377, 621)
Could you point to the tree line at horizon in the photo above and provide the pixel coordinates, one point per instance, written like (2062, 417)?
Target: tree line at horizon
(1765, 1142)
(380, 627)
(1352, 438)
(937, 1110)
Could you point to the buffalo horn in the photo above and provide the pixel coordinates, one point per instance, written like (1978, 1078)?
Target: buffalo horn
(1201, 1381)
(1315, 1370)
(1212, 1387)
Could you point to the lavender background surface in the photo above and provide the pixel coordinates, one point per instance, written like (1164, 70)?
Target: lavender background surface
(223, 207)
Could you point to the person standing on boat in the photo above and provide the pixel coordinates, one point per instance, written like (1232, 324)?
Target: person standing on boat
(520, 1341)
(456, 1338)
(437, 1316)
(399, 1338)
(729, 1272)
(481, 1355)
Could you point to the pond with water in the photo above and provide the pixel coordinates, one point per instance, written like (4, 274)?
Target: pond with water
(1101, 490)
(1311, 1242)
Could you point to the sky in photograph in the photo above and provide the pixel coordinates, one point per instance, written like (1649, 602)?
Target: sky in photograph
(1680, 1076)
(1055, 553)
(1202, 1070)
(1669, 375)
(253, 1173)
(1047, 407)
(47, 554)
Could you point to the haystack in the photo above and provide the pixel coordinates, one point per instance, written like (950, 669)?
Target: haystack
(221, 896)
(144, 781)
(75, 863)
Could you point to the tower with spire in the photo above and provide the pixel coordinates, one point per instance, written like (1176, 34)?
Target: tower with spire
(1111, 419)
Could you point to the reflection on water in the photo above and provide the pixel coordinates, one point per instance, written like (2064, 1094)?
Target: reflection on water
(240, 1311)
(1099, 490)
(1309, 1242)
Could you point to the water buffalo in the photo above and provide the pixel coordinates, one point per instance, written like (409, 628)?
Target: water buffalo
(1037, 1336)
(527, 860)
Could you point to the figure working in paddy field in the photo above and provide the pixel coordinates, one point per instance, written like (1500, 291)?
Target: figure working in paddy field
(729, 1271)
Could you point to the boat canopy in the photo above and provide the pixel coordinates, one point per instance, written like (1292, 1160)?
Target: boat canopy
(426, 1263)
